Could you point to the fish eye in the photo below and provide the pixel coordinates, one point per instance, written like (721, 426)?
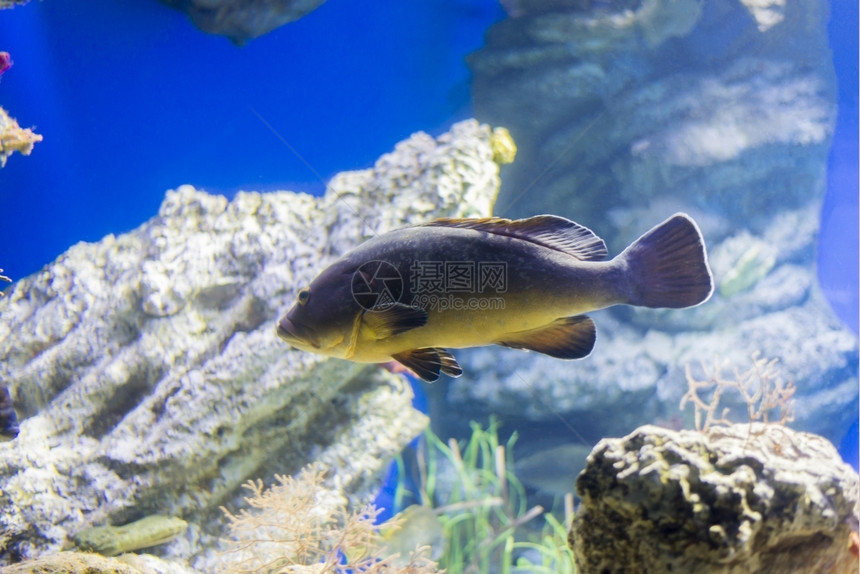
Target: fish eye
(304, 295)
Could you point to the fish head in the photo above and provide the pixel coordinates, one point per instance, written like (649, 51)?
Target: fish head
(323, 318)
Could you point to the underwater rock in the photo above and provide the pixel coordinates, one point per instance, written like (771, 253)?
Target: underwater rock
(147, 372)
(243, 20)
(713, 104)
(622, 117)
(745, 498)
(86, 563)
(635, 374)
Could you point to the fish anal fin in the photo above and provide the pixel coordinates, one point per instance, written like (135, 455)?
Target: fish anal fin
(393, 320)
(428, 362)
(566, 338)
(550, 231)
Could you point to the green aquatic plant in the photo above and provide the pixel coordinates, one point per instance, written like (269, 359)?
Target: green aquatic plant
(751, 267)
(483, 508)
(472, 519)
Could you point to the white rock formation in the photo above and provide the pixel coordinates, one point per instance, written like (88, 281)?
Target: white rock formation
(146, 368)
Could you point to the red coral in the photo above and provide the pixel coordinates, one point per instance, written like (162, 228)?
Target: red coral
(5, 62)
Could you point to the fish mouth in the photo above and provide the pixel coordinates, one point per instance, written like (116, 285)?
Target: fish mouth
(295, 334)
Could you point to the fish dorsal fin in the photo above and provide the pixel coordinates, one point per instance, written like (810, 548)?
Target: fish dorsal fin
(566, 338)
(550, 231)
(427, 362)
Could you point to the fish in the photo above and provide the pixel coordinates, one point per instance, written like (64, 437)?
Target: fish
(552, 471)
(413, 293)
(415, 527)
(8, 419)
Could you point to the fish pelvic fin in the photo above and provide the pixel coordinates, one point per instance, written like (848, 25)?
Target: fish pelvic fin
(550, 231)
(566, 338)
(428, 362)
(668, 266)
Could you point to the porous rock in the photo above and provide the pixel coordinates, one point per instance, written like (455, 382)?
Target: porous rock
(147, 371)
(243, 20)
(745, 498)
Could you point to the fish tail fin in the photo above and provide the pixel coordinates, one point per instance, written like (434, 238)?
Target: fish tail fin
(668, 266)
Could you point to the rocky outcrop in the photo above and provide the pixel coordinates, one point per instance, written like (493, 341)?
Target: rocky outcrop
(728, 108)
(147, 371)
(766, 300)
(243, 20)
(625, 112)
(745, 498)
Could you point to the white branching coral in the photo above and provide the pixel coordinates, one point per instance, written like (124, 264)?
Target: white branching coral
(298, 525)
(761, 387)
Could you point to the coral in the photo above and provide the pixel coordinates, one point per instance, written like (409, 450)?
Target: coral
(299, 524)
(761, 388)
(11, 3)
(13, 138)
(503, 146)
(659, 500)
(143, 533)
(5, 62)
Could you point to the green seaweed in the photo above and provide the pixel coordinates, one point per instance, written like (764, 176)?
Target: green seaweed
(484, 511)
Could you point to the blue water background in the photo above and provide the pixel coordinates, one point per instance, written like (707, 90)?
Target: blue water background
(133, 100)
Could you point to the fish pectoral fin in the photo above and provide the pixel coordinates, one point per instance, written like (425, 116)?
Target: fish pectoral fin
(426, 363)
(393, 320)
(567, 338)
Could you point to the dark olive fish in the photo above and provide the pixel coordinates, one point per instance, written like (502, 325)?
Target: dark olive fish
(8, 418)
(412, 293)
